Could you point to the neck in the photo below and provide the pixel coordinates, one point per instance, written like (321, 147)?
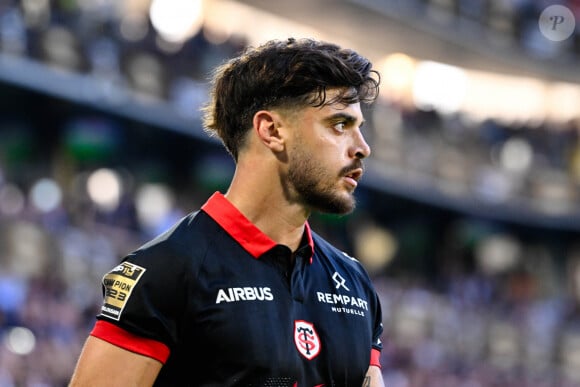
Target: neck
(260, 198)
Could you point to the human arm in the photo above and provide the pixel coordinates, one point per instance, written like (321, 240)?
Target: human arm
(105, 364)
(374, 377)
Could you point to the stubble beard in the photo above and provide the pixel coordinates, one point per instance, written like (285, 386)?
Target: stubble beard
(312, 186)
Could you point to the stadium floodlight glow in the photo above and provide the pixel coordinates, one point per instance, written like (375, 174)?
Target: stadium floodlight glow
(46, 195)
(439, 86)
(516, 155)
(20, 340)
(176, 20)
(154, 203)
(397, 72)
(104, 187)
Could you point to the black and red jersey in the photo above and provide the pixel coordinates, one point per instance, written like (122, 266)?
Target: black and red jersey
(221, 304)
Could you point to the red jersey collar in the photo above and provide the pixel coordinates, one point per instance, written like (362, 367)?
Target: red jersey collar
(252, 239)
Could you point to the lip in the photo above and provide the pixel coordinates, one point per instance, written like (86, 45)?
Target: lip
(351, 181)
(353, 176)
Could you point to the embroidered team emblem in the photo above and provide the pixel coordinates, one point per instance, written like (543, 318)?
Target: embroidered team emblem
(306, 339)
(118, 285)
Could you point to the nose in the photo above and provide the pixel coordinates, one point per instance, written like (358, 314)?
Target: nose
(360, 148)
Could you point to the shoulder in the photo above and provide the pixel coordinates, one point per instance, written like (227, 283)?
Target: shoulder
(179, 233)
(194, 231)
(159, 270)
(328, 251)
(335, 260)
(185, 243)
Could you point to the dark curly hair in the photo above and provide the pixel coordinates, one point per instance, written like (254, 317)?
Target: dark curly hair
(283, 74)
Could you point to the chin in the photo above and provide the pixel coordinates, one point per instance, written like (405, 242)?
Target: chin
(342, 205)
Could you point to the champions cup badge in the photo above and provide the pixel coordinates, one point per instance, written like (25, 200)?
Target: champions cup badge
(306, 339)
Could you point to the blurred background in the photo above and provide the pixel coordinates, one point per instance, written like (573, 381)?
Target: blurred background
(469, 213)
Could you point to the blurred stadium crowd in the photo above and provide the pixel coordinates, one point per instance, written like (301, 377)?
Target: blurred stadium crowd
(467, 300)
(500, 23)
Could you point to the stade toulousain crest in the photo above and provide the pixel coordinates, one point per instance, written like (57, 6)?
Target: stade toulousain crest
(306, 339)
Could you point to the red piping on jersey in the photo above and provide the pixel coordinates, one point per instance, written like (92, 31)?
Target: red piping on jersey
(375, 358)
(111, 333)
(252, 239)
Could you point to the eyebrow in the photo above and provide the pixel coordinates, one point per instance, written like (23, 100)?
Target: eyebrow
(350, 119)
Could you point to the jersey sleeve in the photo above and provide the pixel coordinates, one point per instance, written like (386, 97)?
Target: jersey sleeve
(376, 314)
(115, 335)
(378, 325)
(143, 299)
(377, 344)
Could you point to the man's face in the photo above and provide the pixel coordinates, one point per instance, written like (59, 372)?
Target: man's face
(325, 157)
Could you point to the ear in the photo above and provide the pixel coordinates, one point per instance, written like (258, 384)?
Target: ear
(266, 124)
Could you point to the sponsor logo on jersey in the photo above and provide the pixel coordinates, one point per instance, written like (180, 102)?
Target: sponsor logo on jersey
(306, 339)
(339, 281)
(118, 285)
(343, 303)
(244, 294)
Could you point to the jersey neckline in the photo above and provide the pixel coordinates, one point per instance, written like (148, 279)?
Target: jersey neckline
(250, 237)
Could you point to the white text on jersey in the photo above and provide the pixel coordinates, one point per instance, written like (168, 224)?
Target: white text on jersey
(342, 299)
(244, 294)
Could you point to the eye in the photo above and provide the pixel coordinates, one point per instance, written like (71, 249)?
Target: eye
(340, 126)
